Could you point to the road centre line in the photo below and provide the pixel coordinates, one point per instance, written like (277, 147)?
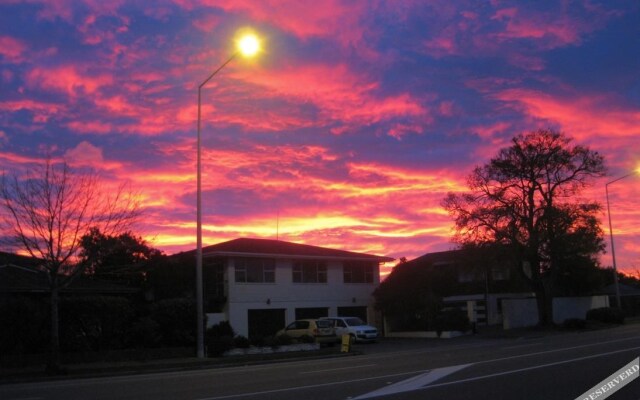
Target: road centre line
(515, 371)
(221, 371)
(290, 389)
(523, 345)
(554, 350)
(337, 369)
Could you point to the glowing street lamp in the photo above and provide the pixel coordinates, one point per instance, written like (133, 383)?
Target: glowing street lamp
(247, 45)
(613, 250)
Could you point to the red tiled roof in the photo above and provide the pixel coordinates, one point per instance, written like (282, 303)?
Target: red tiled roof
(280, 249)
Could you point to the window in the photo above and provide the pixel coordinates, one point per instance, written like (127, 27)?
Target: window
(310, 271)
(466, 276)
(500, 274)
(255, 270)
(358, 272)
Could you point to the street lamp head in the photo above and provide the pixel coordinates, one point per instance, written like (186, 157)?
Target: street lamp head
(248, 45)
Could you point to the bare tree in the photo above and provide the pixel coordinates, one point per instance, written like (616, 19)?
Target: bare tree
(47, 211)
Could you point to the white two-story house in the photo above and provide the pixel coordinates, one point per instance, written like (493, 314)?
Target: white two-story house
(261, 285)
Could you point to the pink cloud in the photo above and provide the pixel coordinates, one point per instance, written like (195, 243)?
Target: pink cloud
(446, 108)
(339, 94)
(398, 131)
(92, 127)
(582, 116)
(12, 49)
(303, 18)
(547, 30)
(444, 45)
(207, 22)
(68, 79)
(85, 154)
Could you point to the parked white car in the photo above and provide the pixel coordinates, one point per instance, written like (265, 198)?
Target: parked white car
(354, 327)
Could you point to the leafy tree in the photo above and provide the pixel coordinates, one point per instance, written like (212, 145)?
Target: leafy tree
(526, 198)
(123, 257)
(47, 210)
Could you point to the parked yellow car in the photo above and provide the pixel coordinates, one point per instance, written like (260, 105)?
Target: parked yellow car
(321, 330)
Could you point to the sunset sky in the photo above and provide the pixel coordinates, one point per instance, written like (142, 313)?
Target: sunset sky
(346, 131)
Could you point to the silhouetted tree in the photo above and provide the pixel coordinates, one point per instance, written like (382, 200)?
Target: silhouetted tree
(123, 258)
(47, 210)
(526, 199)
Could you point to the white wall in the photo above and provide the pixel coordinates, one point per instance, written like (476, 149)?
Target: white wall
(576, 307)
(524, 312)
(284, 294)
(518, 313)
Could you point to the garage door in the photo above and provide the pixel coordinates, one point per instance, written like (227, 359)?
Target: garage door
(265, 323)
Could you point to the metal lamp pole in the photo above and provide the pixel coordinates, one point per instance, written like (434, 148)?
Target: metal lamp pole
(613, 250)
(199, 283)
(247, 46)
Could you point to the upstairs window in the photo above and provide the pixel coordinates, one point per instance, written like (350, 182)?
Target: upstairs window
(359, 271)
(500, 274)
(309, 271)
(255, 270)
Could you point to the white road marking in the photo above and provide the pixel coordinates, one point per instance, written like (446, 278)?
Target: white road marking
(515, 371)
(523, 345)
(290, 389)
(337, 369)
(415, 383)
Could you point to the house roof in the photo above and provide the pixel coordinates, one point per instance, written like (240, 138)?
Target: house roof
(279, 249)
(437, 258)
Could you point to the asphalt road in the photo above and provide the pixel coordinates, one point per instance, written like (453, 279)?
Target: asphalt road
(546, 367)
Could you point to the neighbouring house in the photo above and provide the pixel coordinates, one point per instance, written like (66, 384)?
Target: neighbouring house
(260, 285)
(475, 282)
(22, 275)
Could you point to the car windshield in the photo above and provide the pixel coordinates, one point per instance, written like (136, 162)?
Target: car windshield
(354, 321)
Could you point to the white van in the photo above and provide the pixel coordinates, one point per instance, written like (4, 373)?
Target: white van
(354, 327)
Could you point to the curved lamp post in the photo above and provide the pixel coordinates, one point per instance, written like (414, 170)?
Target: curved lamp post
(247, 46)
(613, 250)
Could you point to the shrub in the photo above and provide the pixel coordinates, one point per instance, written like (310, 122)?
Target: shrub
(176, 319)
(145, 332)
(24, 326)
(283, 340)
(452, 319)
(306, 339)
(219, 338)
(608, 315)
(574, 323)
(241, 342)
(93, 323)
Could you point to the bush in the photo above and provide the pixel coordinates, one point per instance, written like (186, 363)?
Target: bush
(94, 323)
(574, 324)
(282, 340)
(24, 326)
(145, 333)
(219, 338)
(452, 319)
(241, 342)
(176, 319)
(608, 315)
(306, 339)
